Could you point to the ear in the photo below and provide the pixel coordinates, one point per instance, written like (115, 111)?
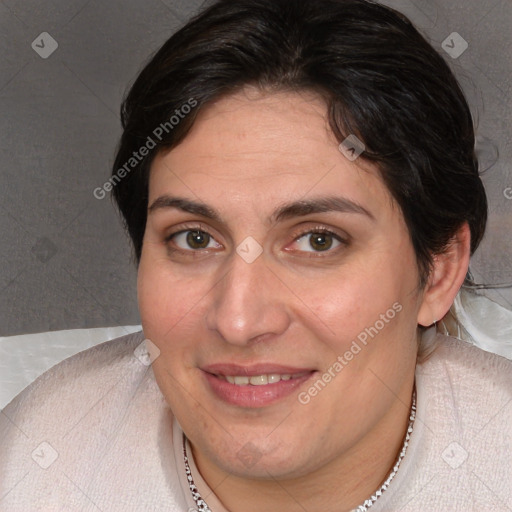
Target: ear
(446, 277)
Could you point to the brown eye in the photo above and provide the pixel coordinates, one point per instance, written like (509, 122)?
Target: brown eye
(198, 239)
(317, 241)
(320, 241)
(194, 239)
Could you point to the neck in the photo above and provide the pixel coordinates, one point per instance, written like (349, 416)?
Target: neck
(341, 485)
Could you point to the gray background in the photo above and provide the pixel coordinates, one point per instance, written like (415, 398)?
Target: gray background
(64, 259)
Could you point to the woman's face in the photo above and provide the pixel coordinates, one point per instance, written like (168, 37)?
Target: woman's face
(279, 283)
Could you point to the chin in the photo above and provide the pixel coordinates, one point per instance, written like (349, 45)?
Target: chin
(256, 455)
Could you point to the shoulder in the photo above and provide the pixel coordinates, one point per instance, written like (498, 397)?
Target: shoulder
(63, 393)
(460, 453)
(465, 413)
(467, 369)
(95, 421)
(467, 387)
(103, 362)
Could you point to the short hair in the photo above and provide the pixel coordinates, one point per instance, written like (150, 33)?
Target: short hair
(379, 78)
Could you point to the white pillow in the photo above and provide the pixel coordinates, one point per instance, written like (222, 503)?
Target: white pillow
(25, 357)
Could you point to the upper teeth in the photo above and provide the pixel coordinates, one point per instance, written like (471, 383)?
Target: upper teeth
(259, 380)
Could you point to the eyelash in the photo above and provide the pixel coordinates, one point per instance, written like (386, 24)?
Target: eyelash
(297, 235)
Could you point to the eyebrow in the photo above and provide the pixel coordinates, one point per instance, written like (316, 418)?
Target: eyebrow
(295, 209)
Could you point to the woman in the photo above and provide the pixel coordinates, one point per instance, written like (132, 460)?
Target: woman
(299, 182)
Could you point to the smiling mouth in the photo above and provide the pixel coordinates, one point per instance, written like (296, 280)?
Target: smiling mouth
(260, 380)
(256, 385)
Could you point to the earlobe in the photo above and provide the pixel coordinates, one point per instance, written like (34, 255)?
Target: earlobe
(448, 272)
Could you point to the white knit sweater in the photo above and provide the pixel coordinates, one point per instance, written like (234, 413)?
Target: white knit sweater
(95, 434)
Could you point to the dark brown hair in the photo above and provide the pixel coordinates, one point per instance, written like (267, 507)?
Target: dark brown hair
(380, 79)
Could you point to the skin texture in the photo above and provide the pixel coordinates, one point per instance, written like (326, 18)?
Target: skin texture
(247, 156)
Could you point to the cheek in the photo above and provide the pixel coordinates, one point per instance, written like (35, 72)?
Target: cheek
(154, 301)
(350, 300)
(164, 301)
(173, 310)
(371, 297)
(166, 308)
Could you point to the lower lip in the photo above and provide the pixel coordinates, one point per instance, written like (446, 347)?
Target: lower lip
(254, 396)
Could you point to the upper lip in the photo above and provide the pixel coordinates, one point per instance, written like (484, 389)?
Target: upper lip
(252, 370)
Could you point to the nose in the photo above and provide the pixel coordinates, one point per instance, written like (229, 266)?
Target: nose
(248, 304)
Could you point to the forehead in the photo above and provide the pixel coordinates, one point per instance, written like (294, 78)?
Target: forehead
(255, 149)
